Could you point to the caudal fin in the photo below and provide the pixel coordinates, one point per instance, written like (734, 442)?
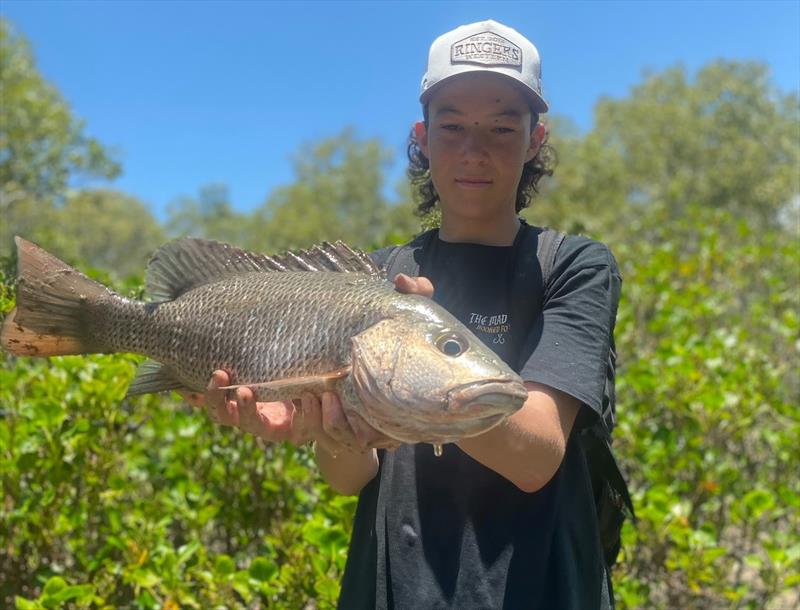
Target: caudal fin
(54, 307)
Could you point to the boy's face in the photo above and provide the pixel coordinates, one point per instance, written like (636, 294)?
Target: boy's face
(477, 140)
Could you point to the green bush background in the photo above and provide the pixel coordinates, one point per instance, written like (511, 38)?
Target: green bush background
(692, 179)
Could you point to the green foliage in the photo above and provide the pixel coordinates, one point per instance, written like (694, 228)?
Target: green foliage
(103, 228)
(724, 139)
(41, 144)
(338, 194)
(210, 215)
(709, 430)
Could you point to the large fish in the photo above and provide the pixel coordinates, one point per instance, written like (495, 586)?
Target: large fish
(322, 319)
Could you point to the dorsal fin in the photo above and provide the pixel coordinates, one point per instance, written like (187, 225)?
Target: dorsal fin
(187, 263)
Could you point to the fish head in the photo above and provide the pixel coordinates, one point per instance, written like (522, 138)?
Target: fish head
(431, 380)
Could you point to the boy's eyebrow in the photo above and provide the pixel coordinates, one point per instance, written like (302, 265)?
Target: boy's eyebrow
(448, 110)
(512, 113)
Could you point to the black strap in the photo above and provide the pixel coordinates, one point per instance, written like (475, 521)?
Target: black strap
(536, 250)
(381, 558)
(546, 250)
(403, 259)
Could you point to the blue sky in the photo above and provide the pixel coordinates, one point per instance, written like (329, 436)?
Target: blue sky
(194, 93)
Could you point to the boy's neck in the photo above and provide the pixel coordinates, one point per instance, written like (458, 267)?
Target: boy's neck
(498, 232)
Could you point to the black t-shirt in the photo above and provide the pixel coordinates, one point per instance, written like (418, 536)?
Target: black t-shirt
(448, 532)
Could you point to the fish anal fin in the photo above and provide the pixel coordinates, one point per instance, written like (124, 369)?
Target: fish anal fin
(294, 387)
(152, 377)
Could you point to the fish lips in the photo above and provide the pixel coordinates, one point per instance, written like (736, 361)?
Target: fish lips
(490, 397)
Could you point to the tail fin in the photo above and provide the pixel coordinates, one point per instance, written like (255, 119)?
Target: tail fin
(52, 317)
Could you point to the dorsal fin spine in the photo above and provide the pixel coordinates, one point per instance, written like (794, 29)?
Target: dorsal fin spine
(187, 263)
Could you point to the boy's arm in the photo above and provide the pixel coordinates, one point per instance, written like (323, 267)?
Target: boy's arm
(528, 447)
(346, 469)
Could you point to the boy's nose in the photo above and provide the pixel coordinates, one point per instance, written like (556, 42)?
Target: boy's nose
(474, 147)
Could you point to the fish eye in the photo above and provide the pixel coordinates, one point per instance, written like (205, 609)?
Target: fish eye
(451, 345)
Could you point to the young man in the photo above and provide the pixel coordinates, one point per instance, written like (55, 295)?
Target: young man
(505, 519)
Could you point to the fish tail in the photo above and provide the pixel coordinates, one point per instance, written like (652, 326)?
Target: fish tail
(55, 304)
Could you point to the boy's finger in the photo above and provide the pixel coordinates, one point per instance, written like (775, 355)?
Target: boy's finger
(230, 415)
(249, 420)
(334, 423)
(219, 378)
(311, 413)
(365, 434)
(312, 416)
(413, 285)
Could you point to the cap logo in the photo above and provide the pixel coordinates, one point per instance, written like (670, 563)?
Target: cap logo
(488, 49)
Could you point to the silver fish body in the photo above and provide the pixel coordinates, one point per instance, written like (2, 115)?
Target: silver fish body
(281, 325)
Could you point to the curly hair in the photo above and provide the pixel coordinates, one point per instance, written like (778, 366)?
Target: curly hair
(425, 193)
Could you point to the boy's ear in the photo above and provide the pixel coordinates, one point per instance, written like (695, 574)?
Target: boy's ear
(421, 137)
(537, 137)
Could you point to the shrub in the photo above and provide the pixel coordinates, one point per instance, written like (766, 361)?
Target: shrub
(709, 431)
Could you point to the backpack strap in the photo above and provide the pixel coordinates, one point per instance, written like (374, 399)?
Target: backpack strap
(547, 247)
(536, 249)
(402, 259)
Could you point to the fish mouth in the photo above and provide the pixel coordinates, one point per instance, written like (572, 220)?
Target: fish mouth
(418, 430)
(492, 397)
(467, 410)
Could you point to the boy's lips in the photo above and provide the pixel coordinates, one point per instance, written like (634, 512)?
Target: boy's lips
(473, 182)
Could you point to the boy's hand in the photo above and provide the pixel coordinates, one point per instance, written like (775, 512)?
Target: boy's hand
(323, 421)
(272, 421)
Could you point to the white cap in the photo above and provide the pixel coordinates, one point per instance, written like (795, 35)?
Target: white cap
(486, 46)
